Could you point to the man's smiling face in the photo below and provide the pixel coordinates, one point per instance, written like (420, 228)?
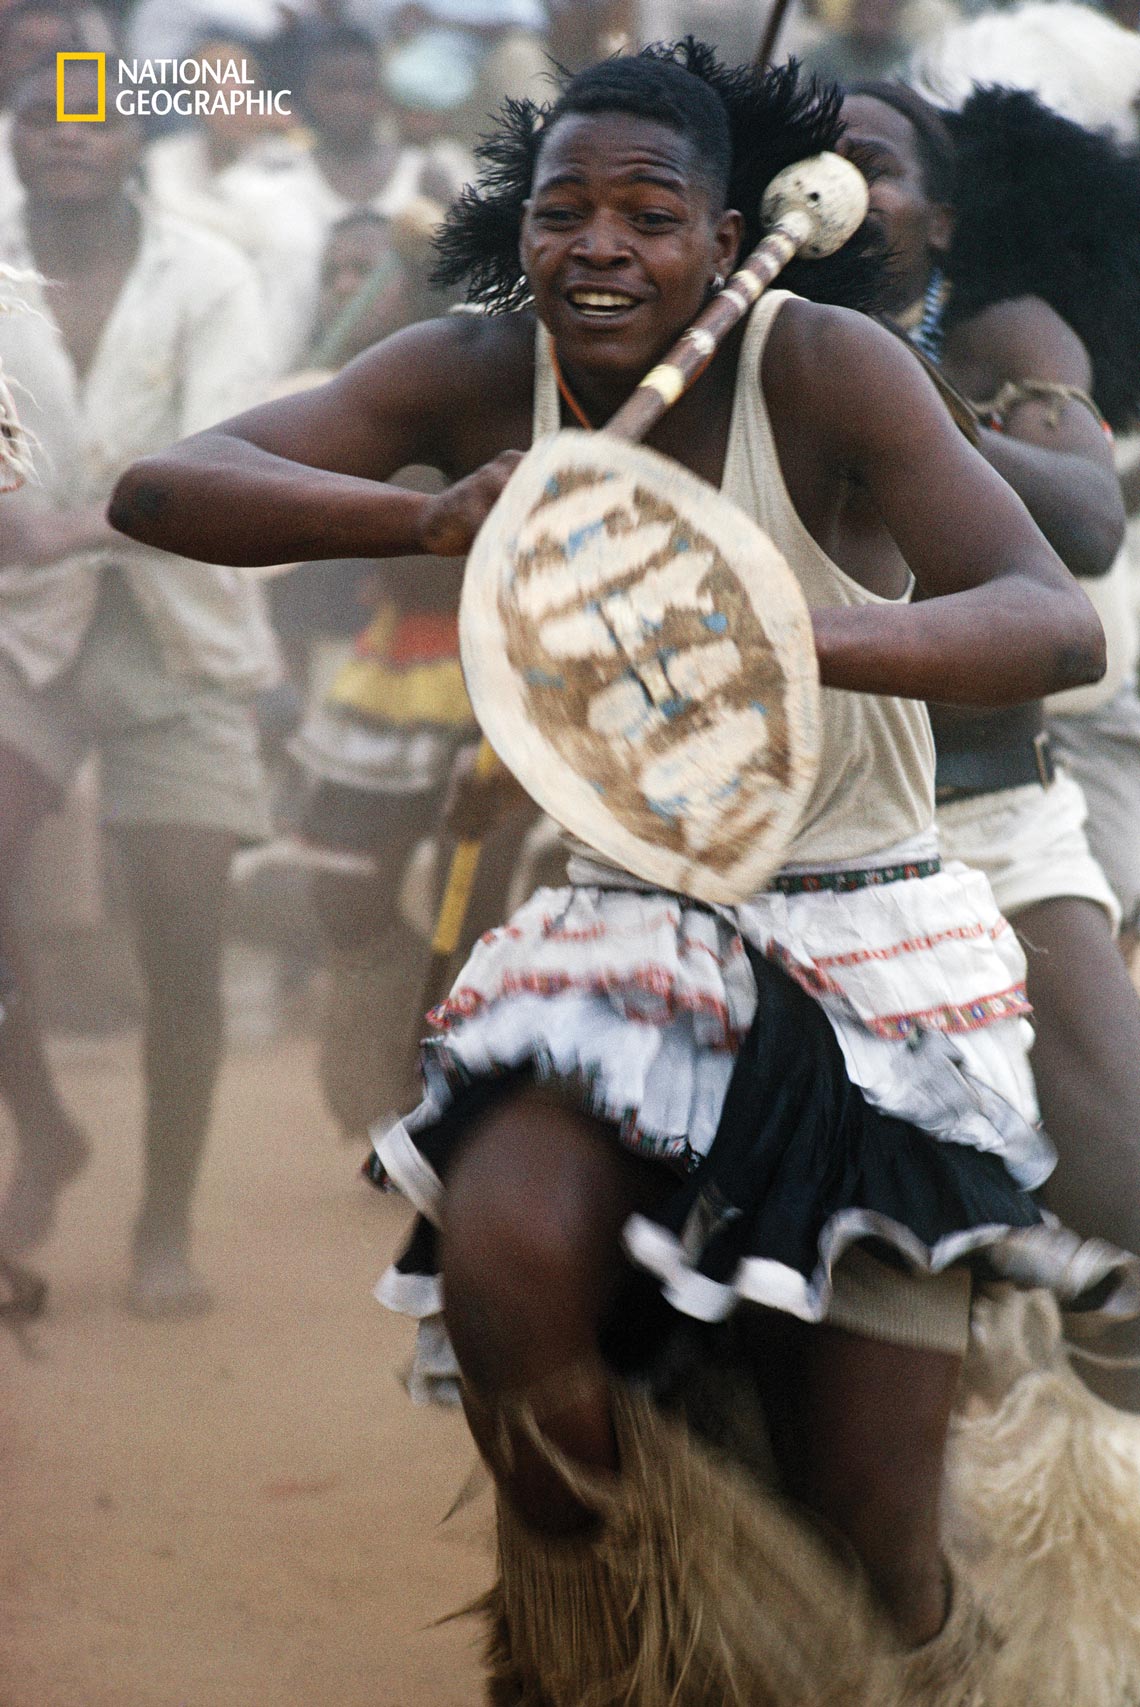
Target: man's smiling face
(621, 240)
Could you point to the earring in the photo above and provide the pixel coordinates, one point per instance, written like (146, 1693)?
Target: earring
(718, 282)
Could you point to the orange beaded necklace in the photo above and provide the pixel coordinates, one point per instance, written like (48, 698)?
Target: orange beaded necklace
(567, 395)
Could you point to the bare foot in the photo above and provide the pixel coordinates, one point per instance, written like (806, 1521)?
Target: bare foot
(22, 1293)
(27, 1213)
(165, 1286)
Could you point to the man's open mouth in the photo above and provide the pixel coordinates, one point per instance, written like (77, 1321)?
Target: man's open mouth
(600, 304)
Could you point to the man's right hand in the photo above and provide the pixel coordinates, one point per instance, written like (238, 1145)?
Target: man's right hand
(452, 519)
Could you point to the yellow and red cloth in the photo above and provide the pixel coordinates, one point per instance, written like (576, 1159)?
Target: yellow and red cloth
(405, 670)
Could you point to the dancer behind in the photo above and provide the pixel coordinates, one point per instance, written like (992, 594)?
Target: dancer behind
(147, 329)
(584, 1058)
(380, 748)
(1001, 805)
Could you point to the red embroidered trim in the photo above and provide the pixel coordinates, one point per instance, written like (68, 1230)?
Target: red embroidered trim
(465, 1002)
(911, 945)
(957, 1017)
(952, 1017)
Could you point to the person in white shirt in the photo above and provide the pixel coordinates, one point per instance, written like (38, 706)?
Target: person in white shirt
(146, 329)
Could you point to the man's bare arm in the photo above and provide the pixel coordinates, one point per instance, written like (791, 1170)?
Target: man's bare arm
(304, 477)
(1001, 620)
(1053, 452)
(1085, 537)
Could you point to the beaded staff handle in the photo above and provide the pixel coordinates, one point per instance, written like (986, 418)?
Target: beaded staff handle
(812, 208)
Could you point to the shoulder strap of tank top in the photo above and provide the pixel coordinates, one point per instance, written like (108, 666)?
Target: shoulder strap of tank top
(760, 322)
(749, 411)
(749, 394)
(547, 416)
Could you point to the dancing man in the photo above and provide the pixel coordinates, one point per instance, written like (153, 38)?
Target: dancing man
(817, 1102)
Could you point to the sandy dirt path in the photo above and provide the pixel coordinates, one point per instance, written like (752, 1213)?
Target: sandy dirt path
(241, 1511)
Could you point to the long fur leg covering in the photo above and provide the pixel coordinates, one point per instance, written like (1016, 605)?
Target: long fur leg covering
(956, 1669)
(1044, 1515)
(699, 1590)
(703, 1590)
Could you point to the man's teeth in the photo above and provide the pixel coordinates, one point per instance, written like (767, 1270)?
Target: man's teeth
(601, 301)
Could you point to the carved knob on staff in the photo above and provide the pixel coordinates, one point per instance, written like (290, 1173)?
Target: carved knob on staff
(820, 203)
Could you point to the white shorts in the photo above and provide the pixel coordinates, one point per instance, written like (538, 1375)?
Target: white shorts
(1102, 751)
(1031, 844)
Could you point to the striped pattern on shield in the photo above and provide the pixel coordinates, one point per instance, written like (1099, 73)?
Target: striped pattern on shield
(640, 656)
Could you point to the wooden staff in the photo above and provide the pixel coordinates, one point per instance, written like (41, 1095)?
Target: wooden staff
(765, 53)
(812, 208)
(452, 915)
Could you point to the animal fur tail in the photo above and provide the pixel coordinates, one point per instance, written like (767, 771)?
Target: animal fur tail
(1044, 1515)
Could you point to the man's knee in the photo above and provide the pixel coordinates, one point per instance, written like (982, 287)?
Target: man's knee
(530, 1231)
(501, 1235)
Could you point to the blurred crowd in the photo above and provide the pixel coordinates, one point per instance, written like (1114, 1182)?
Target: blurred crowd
(178, 270)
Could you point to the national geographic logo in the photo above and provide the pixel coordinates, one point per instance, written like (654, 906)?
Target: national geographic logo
(192, 88)
(61, 112)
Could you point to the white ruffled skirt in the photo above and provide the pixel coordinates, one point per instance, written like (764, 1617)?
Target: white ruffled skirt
(642, 1005)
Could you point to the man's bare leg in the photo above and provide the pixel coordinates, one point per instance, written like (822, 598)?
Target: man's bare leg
(534, 1206)
(1086, 1063)
(533, 1214)
(51, 1148)
(867, 1453)
(178, 878)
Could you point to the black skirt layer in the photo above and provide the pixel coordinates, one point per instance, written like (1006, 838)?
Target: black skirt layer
(803, 1167)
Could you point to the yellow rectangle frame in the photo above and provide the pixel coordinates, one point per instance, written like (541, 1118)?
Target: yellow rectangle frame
(100, 113)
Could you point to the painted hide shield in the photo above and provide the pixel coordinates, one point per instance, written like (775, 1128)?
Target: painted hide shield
(640, 656)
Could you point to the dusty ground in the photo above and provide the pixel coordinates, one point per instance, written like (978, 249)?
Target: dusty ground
(241, 1511)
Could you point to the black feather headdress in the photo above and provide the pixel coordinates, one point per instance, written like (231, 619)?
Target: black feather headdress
(1046, 208)
(775, 118)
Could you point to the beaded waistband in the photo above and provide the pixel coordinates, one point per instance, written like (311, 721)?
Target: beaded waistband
(810, 882)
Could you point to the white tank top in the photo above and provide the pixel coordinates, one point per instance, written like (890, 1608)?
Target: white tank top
(875, 789)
